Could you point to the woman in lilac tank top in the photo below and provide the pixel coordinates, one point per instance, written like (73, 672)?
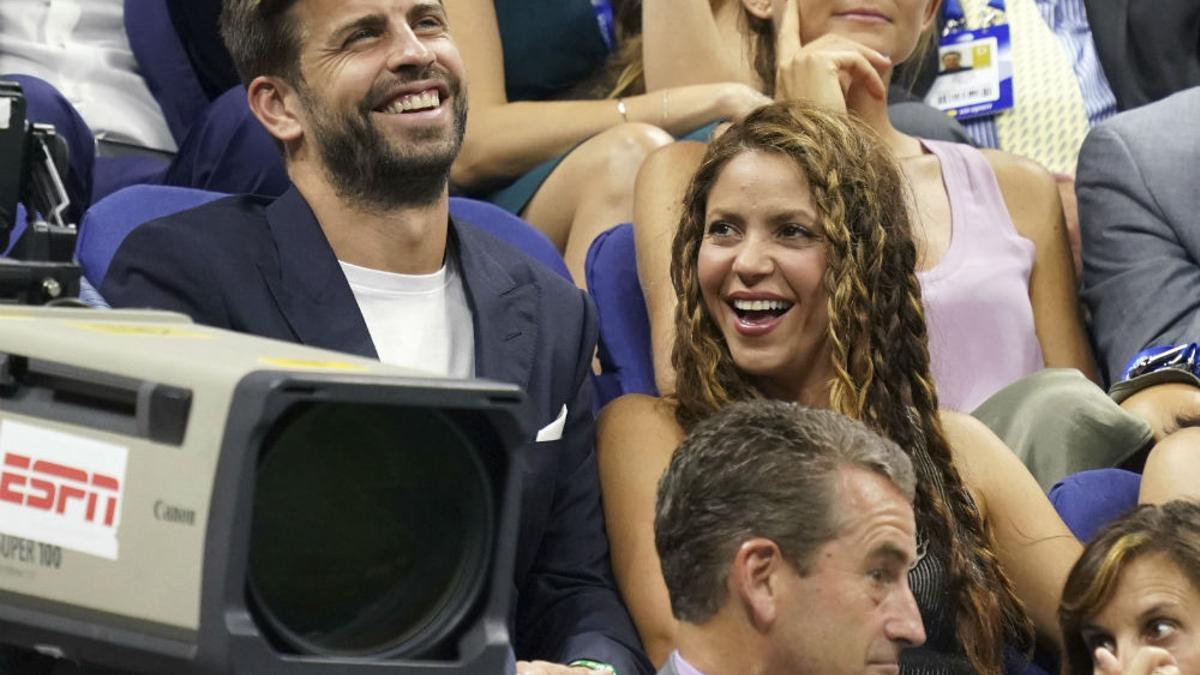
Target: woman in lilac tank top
(996, 273)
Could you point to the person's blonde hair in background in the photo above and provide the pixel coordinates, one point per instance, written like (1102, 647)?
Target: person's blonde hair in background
(1131, 605)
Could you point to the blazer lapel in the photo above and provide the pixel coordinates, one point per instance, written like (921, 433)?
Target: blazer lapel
(308, 284)
(504, 310)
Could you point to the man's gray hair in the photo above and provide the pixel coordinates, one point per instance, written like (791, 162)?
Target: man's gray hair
(758, 469)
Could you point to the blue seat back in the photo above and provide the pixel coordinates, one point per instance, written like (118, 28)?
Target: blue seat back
(626, 363)
(1088, 500)
(19, 225)
(164, 64)
(511, 229)
(110, 220)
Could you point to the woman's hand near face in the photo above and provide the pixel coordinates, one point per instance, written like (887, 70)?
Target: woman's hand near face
(1147, 661)
(829, 71)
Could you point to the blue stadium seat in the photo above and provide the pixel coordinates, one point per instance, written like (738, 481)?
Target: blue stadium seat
(1089, 500)
(19, 225)
(507, 227)
(111, 219)
(107, 223)
(164, 64)
(626, 364)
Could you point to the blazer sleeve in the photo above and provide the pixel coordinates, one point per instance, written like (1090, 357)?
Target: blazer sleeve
(1139, 279)
(160, 266)
(570, 608)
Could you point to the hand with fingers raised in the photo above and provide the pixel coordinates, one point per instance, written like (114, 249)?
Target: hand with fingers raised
(1146, 661)
(831, 71)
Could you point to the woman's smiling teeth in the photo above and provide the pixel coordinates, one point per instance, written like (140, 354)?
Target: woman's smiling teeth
(425, 100)
(773, 306)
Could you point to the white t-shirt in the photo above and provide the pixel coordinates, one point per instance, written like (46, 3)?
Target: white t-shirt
(80, 47)
(419, 321)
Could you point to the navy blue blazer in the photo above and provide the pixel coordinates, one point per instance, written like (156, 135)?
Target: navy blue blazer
(262, 267)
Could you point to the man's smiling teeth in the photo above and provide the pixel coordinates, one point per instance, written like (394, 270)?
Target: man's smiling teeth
(422, 101)
(761, 305)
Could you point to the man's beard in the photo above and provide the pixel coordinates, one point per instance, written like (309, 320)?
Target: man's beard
(367, 170)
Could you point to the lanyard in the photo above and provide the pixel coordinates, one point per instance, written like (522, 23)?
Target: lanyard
(606, 22)
(956, 20)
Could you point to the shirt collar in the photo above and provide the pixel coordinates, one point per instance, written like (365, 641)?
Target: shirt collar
(682, 666)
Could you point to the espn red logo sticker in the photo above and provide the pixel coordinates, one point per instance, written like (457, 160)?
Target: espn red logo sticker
(61, 488)
(45, 485)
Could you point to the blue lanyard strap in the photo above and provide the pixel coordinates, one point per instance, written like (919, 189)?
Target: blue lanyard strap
(606, 22)
(952, 11)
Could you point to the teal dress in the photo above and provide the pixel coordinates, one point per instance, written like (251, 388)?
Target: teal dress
(549, 47)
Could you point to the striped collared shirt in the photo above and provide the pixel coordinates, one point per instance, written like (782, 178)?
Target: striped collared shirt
(1068, 21)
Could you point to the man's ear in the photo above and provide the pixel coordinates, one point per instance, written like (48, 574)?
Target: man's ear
(759, 8)
(753, 580)
(276, 105)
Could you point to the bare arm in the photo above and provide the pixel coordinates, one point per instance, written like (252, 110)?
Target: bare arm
(505, 139)
(657, 207)
(636, 436)
(1172, 469)
(1033, 545)
(1032, 198)
(694, 42)
(1165, 406)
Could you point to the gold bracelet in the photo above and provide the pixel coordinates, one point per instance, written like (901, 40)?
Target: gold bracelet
(621, 109)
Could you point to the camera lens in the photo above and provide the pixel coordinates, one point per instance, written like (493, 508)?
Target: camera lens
(372, 527)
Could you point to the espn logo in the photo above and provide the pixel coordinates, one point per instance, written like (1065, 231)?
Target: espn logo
(50, 486)
(59, 488)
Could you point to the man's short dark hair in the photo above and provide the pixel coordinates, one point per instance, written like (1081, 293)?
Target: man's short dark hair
(758, 469)
(263, 38)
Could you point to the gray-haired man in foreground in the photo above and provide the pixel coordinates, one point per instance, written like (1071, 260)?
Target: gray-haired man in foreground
(786, 535)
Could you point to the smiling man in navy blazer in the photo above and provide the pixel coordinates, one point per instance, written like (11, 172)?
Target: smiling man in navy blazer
(367, 103)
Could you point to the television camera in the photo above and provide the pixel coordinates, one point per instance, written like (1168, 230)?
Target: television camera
(34, 207)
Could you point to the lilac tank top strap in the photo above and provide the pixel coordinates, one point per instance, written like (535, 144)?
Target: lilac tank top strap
(979, 216)
(980, 319)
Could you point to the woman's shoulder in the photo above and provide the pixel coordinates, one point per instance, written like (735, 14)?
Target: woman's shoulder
(636, 435)
(640, 414)
(1030, 193)
(1016, 171)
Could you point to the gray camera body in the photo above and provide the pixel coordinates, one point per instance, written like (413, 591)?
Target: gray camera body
(131, 447)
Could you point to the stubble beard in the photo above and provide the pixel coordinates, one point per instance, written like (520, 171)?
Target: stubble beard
(366, 168)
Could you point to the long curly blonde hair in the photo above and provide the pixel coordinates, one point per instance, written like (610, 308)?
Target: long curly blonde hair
(880, 358)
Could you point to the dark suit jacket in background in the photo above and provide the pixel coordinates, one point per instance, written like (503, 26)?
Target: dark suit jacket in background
(262, 267)
(1139, 215)
(1149, 49)
(197, 22)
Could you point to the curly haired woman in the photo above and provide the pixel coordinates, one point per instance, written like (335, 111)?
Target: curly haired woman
(993, 256)
(796, 278)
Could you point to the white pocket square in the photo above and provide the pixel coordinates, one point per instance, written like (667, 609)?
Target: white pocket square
(553, 431)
